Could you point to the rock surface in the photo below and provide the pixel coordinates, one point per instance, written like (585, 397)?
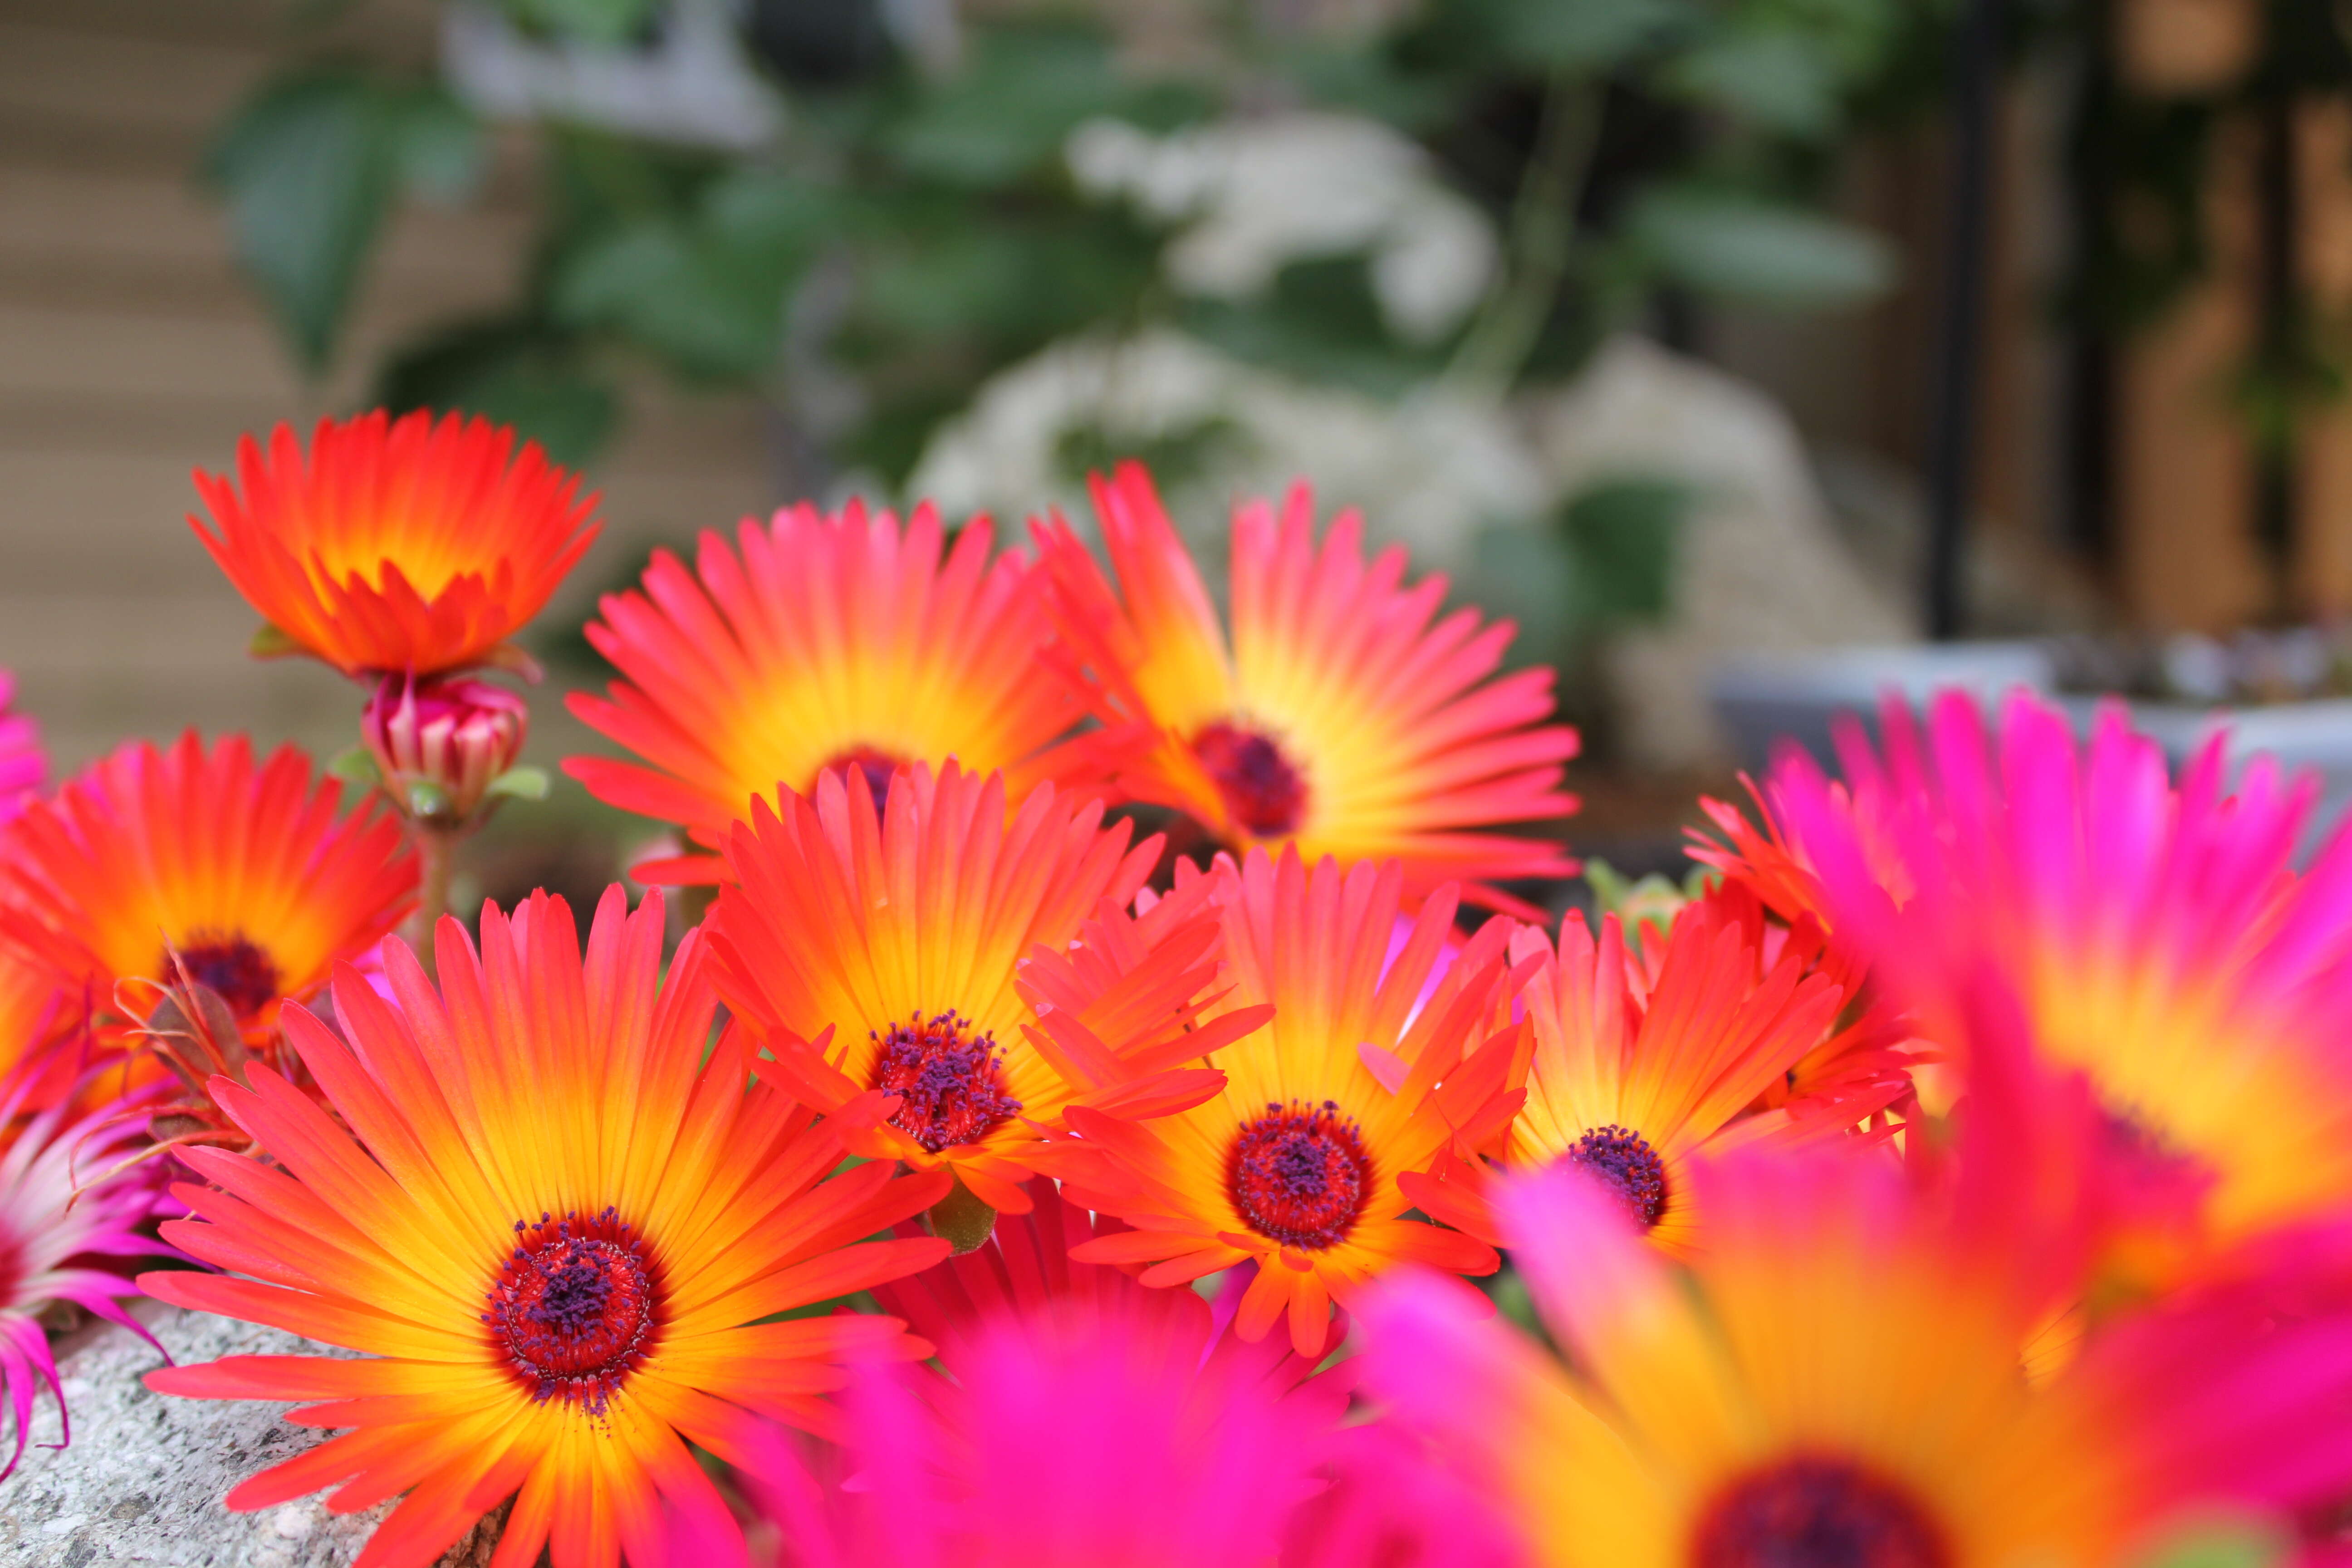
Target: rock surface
(142, 1481)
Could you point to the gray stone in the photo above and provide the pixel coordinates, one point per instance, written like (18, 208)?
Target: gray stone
(142, 1481)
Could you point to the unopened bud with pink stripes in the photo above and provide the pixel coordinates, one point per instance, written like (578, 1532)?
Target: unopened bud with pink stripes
(441, 744)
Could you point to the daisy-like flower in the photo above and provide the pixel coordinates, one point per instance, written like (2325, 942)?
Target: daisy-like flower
(1760, 856)
(2156, 936)
(1294, 1164)
(1837, 1381)
(913, 969)
(60, 1210)
(556, 1230)
(1024, 1279)
(820, 642)
(1122, 1443)
(396, 546)
(1385, 1503)
(249, 877)
(1337, 717)
(23, 764)
(1642, 1062)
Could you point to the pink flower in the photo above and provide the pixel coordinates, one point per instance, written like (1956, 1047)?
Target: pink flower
(2153, 933)
(50, 1236)
(1837, 1378)
(1084, 1420)
(23, 765)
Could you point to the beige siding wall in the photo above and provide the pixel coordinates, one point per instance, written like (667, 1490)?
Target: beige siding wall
(131, 351)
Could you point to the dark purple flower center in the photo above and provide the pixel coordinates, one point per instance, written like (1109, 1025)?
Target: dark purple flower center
(1298, 1174)
(951, 1084)
(242, 975)
(573, 1308)
(1628, 1166)
(877, 767)
(1816, 1513)
(1263, 789)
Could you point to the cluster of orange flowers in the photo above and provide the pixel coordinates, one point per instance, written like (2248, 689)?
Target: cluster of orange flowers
(1130, 1137)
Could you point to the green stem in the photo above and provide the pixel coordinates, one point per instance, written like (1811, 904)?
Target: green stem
(1540, 240)
(436, 853)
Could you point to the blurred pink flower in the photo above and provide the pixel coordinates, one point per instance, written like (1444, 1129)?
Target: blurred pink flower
(23, 764)
(2154, 934)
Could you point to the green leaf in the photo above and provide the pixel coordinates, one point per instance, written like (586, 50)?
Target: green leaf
(2219, 1544)
(1621, 533)
(1778, 79)
(511, 371)
(590, 21)
(427, 799)
(439, 145)
(1585, 36)
(1743, 248)
(758, 210)
(1644, 907)
(521, 783)
(1007, 112)
(355, 765)
(1528, 575)
(307, 166)
(270, 642)
(711, 310)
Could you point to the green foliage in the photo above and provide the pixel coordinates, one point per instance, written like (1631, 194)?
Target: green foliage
(1647, 907)
(1772, 77)
(512, 371)
(2219, 1544)
(1005, 115)
(309, 166)
(1320, 322)
(590, 21)
(925, 219)
(1176, 457)
(1737, 247)
(1621, 535)
(1608, 560)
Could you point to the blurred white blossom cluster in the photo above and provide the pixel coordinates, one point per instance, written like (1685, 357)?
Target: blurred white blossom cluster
(1431, 468)
(1252, 195)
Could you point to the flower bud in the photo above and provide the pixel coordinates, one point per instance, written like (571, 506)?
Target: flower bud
(440, 744)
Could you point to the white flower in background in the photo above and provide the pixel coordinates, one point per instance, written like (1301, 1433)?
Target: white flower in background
(1256, 193)
(1428, 470)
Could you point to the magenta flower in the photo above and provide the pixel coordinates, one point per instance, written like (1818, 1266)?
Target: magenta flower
(2155, 933)
(23, 764)
(1084, 1420)
(49, 1237)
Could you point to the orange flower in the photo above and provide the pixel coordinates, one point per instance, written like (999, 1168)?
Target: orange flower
(1295, 1165)
(1644, 1060)
(949, 984)
(820, 642)
(556, 1229)
(251, 877)
(1337, 718)
(400, 546)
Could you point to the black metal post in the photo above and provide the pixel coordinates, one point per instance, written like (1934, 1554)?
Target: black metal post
(1975, 85)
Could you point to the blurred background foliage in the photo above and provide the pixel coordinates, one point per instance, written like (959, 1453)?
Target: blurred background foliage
(869, 210)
